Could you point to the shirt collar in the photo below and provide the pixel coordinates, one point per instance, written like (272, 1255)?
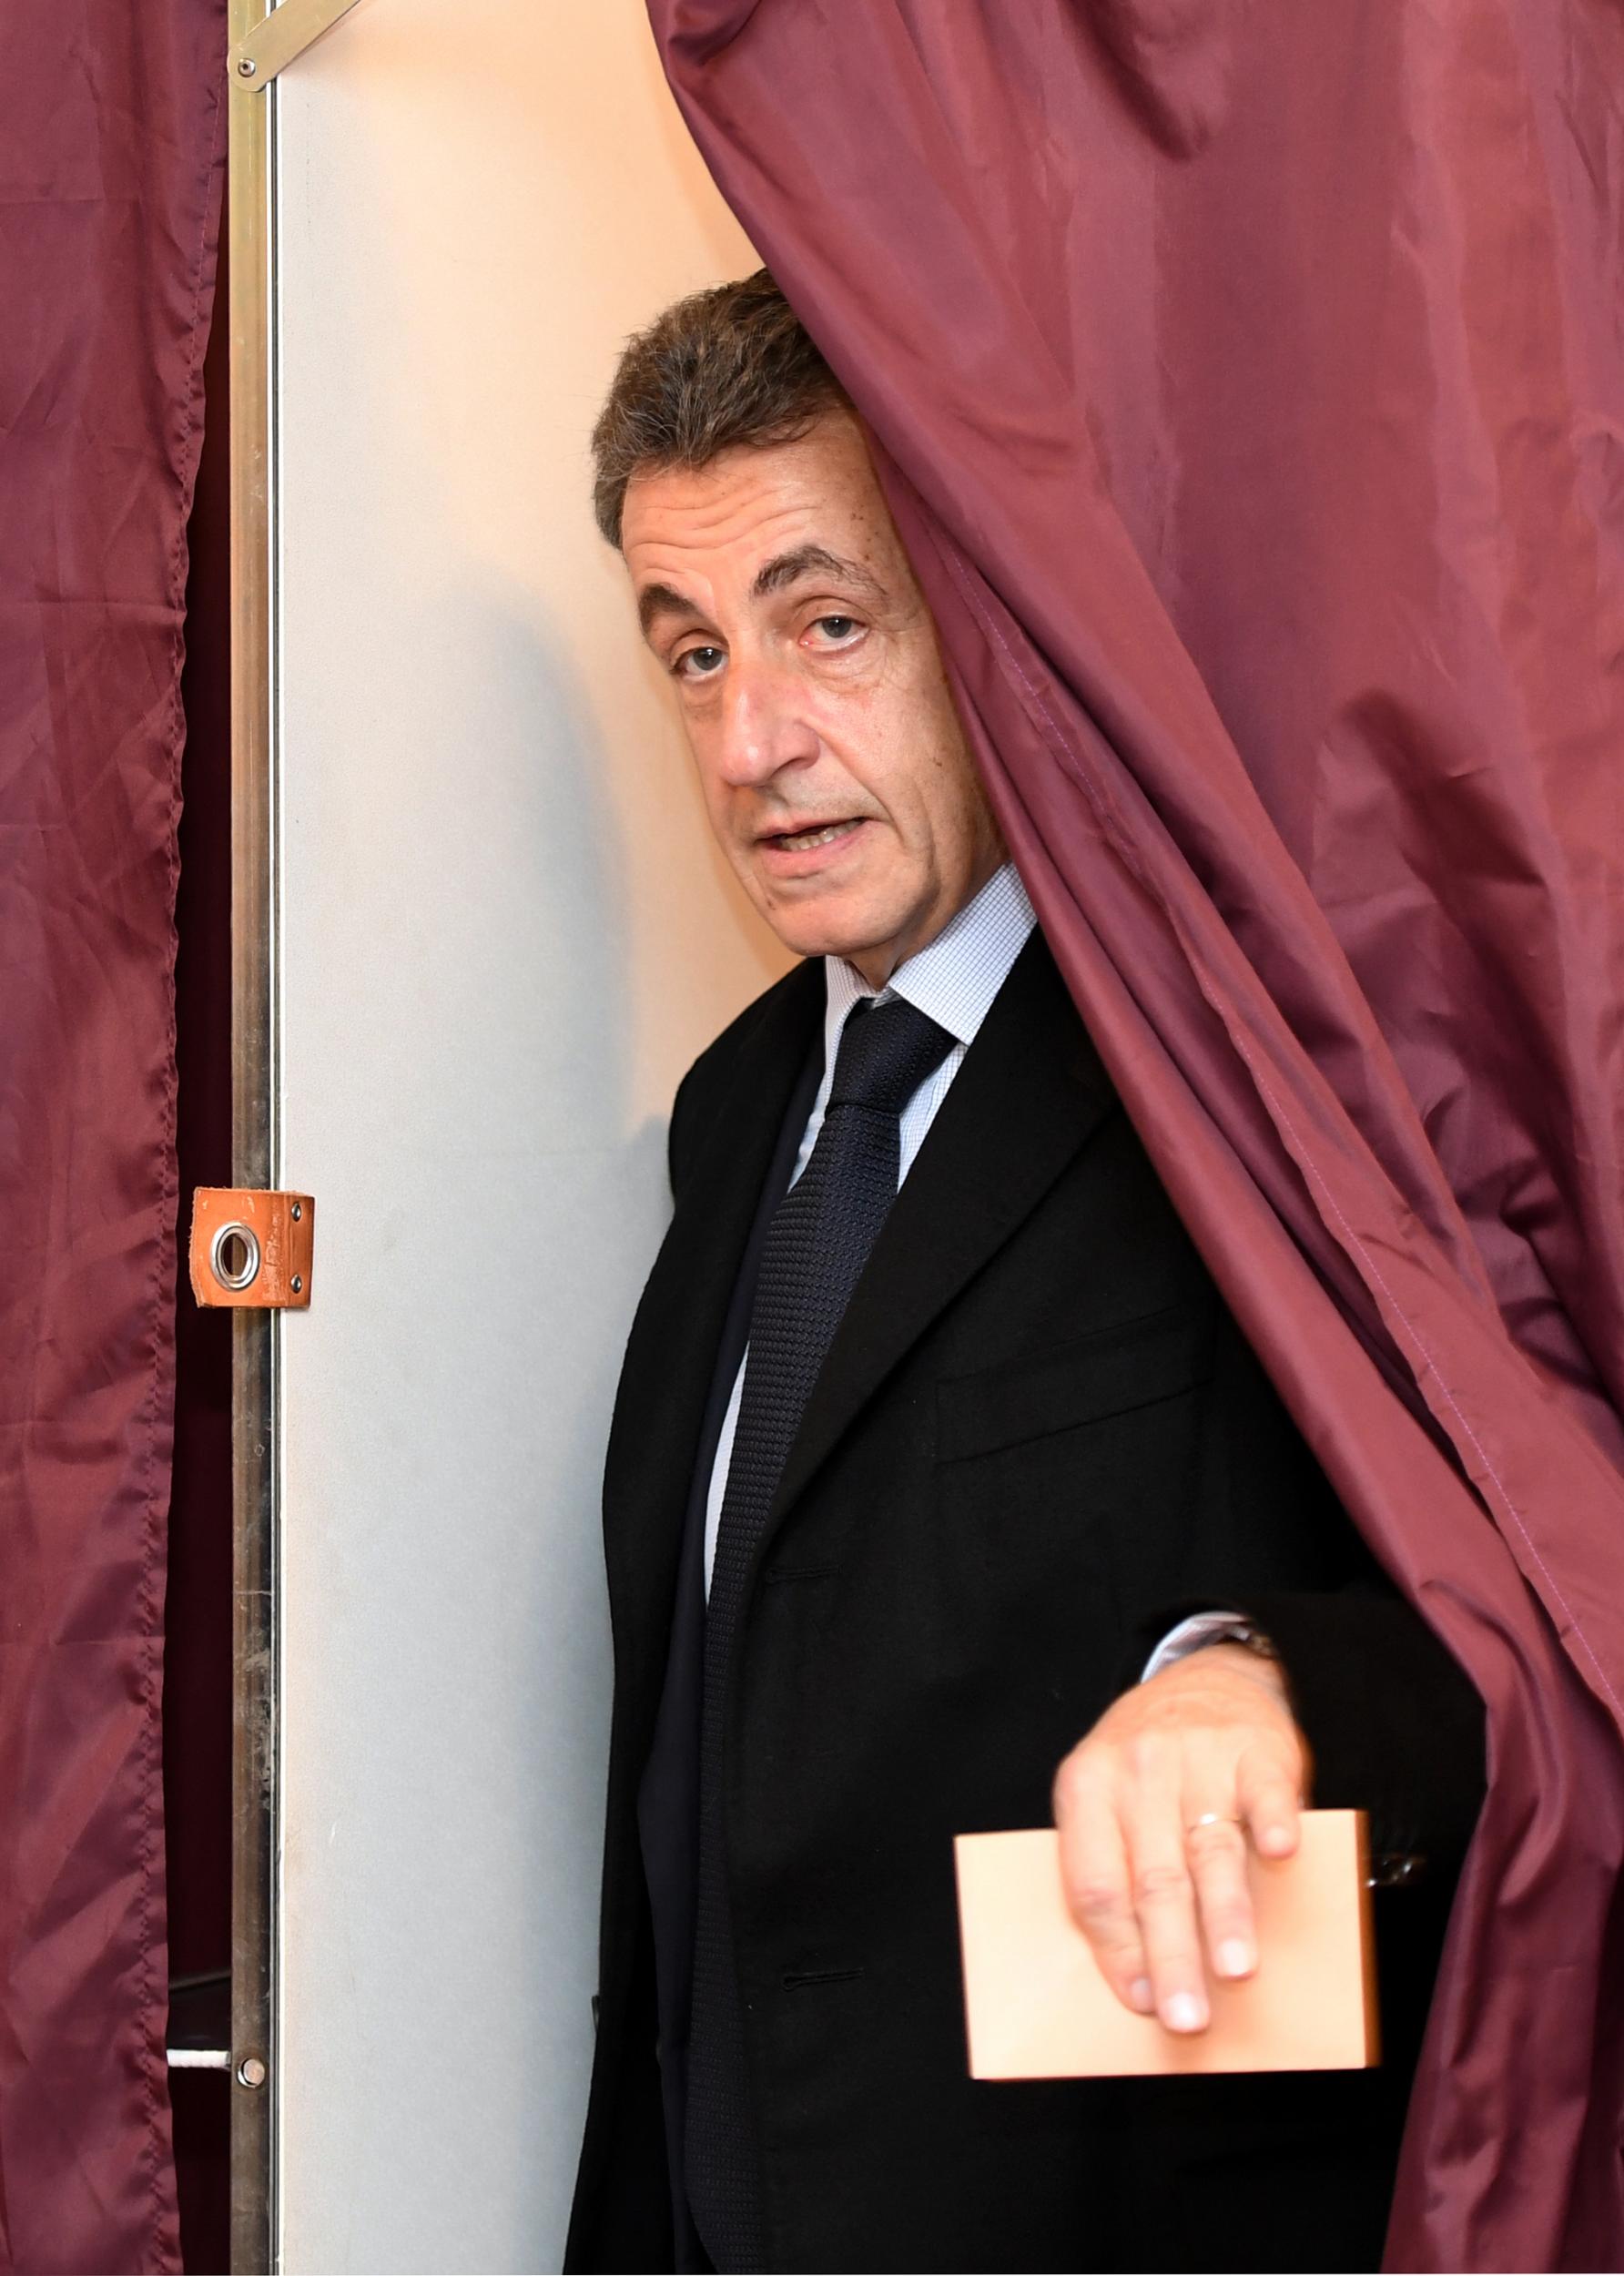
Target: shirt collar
(954, 980)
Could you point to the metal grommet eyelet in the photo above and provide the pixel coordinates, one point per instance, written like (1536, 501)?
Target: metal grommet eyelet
(248, 1272)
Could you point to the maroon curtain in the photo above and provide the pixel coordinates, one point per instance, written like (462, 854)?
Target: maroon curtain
(1249, 382)
(111, 153)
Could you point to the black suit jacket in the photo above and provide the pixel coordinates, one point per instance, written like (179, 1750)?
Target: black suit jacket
(1037, 1434)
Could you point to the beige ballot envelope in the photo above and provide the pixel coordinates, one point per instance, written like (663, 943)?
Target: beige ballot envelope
(1037, 2006)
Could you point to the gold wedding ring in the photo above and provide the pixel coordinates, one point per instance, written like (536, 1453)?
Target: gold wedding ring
(1213, 1817)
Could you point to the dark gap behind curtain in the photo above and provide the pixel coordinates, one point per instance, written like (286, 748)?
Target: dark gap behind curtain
(112, 147)
(1248, 387)
(197, 1702)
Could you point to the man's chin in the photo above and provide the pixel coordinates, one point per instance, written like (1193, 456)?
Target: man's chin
(819, 932)
(855, 916)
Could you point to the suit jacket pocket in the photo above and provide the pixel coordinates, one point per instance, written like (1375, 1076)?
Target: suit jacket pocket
(1109, 1372)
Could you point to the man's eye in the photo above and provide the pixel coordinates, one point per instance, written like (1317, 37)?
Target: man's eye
(836, 627)
(698, 663)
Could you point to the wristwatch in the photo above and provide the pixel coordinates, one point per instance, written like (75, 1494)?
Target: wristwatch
(1200, 1631)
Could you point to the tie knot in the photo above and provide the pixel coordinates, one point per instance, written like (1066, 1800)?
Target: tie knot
(886, 1052)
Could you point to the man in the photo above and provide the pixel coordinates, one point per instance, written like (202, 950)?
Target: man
(932, 1430)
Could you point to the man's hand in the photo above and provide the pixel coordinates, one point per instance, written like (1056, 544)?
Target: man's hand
(1154, 1809)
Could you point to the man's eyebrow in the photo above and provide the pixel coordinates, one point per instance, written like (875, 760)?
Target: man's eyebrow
(805, 561)
(664, 600)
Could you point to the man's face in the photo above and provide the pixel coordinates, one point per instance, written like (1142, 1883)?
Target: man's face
(774, 589)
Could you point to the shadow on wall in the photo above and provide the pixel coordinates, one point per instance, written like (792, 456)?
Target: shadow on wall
(507, 934)
(541, 200)
(491, 1201)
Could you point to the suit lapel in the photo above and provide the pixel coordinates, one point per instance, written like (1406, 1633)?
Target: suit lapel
(672, 1352)
(1030, 1090)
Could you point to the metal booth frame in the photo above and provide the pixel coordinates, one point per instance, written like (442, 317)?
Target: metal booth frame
(263, 41)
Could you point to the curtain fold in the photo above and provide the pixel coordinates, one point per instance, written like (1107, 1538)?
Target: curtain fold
(1248, 385)
(112, 145)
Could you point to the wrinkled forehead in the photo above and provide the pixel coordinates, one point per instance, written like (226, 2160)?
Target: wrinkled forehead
(735, 523)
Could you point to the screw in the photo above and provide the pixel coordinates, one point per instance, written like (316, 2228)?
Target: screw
(246, 67)
(298, 1210)
(251, 2071)
(297, 1283)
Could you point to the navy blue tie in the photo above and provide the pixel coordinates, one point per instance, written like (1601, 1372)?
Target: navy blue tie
(815, 1251)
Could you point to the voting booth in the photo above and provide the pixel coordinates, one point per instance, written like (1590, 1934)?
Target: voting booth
(1247, 397)
(480, 931)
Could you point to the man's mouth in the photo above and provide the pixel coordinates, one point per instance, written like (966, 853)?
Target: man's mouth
(804, 840)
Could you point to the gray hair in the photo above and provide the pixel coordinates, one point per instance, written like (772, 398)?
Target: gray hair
(728, 366)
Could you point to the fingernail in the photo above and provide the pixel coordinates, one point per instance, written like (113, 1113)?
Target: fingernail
(1184, 2012)
(1234, 1958)
(1140, 1996)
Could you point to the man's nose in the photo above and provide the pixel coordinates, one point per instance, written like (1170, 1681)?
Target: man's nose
(764, 723)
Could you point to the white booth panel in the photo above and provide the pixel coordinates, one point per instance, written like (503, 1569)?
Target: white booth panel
(503, 934)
